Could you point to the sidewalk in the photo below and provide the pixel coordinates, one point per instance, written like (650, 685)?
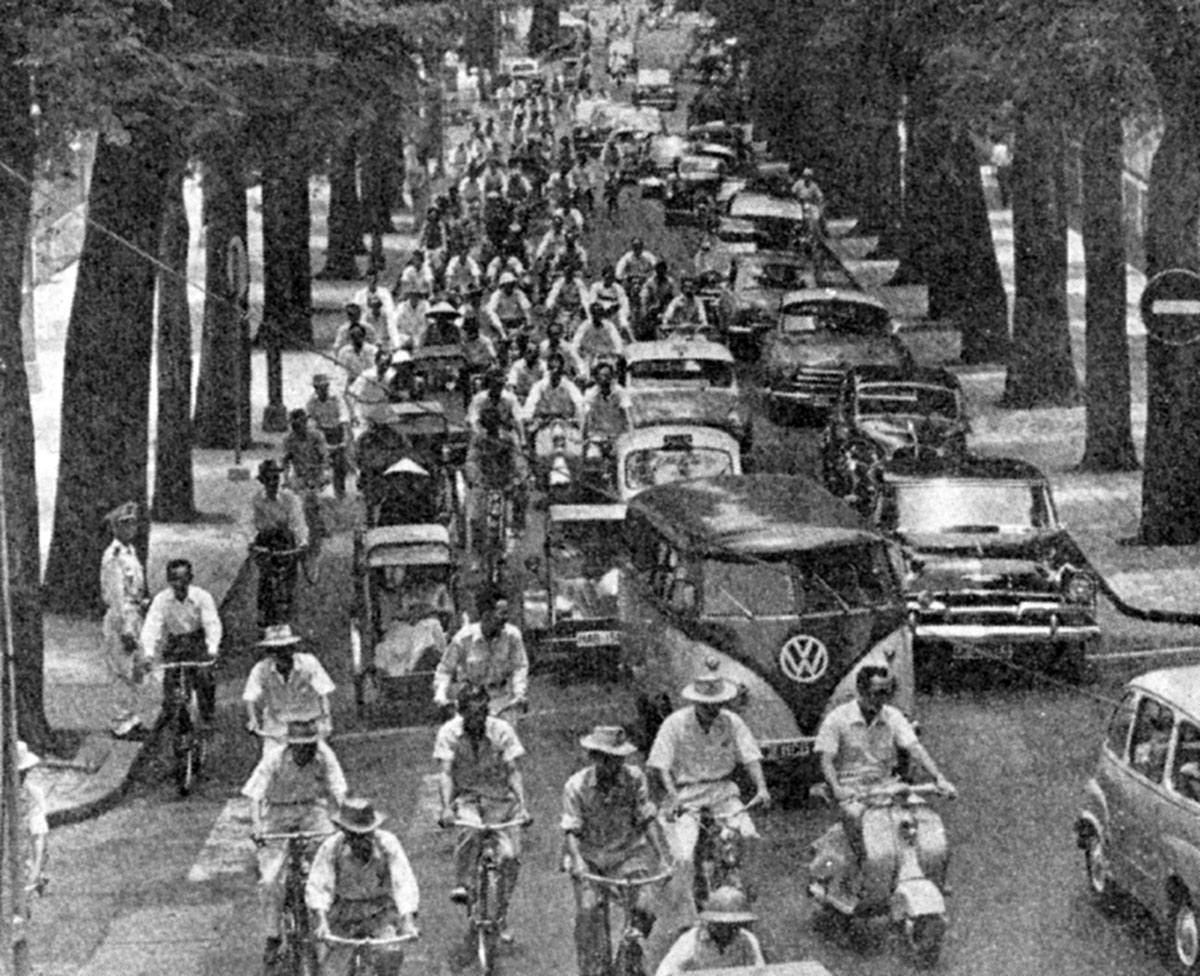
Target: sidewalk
(1100, 509)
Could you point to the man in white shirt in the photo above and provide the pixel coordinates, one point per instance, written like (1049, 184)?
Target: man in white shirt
(608, 291)
(285, 686)
(508, 307)
(370, 290)
(123, 589)
(182, 625)
(686, 310)
(408, 322)
(554, 396)
(489, 654)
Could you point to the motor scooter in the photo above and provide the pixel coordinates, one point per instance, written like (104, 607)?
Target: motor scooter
(718, 856)
(557, 451)
(903, 870)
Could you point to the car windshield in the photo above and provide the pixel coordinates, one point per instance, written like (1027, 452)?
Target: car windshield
(968, 507)
(700, 165)
(738, 589)
(848, 318)
(659, 466)
(776, 275)
(845, 578)
(907, 400)
(583, 569)
(681, 372)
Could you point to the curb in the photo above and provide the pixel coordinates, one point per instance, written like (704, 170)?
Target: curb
(103, 803)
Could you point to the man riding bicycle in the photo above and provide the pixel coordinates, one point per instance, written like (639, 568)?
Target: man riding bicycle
(658, 292)
(607, 409)
(182, 624)
(306, 454)
(480, 783)
(489, 654)
(686, 312)
(554, 397)
(694, 756)
(611, 830)
(285, 686)
(361, 886)
(288, 792)
(508, 308)
(635, 266)
(496, 455)
(277, 525)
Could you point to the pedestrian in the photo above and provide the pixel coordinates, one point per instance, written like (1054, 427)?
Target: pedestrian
(123, 589)
(612, 194)
(34, 826)
(183, 624)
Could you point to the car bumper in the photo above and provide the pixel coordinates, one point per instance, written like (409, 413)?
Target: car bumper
(1007, 634)
(803, 397)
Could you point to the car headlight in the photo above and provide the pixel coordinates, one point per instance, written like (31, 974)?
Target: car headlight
(1078, 587)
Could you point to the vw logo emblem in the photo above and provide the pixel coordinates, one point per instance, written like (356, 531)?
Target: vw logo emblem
(804, 659)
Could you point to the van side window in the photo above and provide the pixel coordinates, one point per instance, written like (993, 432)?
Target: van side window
(681, 596)
(1151, 739)
(1118, 726)
(1185, 766)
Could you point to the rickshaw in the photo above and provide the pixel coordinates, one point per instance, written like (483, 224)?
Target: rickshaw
(570, 605)
(405, 611)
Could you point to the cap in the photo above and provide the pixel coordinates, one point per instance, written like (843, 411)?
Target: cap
(442, 308)
(508, 278)
(406, 466)
(320, 379)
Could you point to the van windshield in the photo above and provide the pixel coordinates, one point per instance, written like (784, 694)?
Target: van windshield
(736, 589)
(846, 578)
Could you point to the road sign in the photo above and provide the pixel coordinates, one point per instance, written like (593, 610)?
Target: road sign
(1171, 307)
(237, 268)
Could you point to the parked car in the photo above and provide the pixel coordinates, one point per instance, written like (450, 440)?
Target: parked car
(750, 302)
(1139, 826)
(689, 381)
(882, 409)
(654, 87)
(694, 198)
(994, 574)
(780, 220)
(661, 455)
(821, 333)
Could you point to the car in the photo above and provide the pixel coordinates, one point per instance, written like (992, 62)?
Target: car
(570, 602)
(780, 220)
(528, 70)
(661, 455)
(727, 134)
(694, 198)
(880, 410)
(1139, 822)
(821, 333)
(689, 381)
(653, 87)
(749, 303)
(993, 573)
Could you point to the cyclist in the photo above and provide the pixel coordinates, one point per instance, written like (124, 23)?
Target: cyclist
(525, 373)
(721, 940)
(611, 829)
(288, 793)
(508, 307)
(332, 419)
(182, 624)
(306, 454)
(361, 886)
(686, 311)
(635, 265)
(554, 343)
(489, 654)
(284, 686)
(599, 334)
(479, 783)
(277, 524)
(554, 397)
(658, 291)
(694, 755)
(609, 291)
(607, 409)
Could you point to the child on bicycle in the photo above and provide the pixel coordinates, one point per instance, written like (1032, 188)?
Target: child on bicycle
(361, 886)
(289, 793)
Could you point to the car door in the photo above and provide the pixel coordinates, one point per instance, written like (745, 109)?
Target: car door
(1179, 813)
(1149, 750)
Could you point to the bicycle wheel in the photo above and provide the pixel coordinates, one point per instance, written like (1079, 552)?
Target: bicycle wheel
(631, 960)
(487, 921)
(310, 560)
(188, 745)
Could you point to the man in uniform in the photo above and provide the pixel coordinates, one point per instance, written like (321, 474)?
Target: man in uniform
(123, 589)
(612, 830)
(361, 886)
(479, 783)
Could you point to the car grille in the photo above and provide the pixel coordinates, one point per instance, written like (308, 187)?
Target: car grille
(985, 610)
(815, 382)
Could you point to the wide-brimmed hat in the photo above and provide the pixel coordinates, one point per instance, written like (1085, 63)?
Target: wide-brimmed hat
(727, 904)
(611, 739)
(357, 815)
(442, 308)
(125, 512)
(710, 688)
(278, 635)
(26, 757)
(407, 466)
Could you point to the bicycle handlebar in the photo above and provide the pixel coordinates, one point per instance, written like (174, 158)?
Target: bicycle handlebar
(180, 665)
(295, 835)
(892, 790)
(332, 939)
(278, 553)
(619, 883)
(491, 827)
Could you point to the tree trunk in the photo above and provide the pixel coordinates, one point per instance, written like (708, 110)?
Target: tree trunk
(1109, 436)
(222, 402)
(18, 490)
(106, 368)
(286, 305)
(174, 486)
(1170, 501)
(378, 166)
(1041, 371)
(543, 28)
(345, 218)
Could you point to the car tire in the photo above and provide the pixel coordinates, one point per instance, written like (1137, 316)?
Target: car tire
(1184, 936)
(1097, 868)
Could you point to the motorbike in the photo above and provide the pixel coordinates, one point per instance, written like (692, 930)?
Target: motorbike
(557, 448)
(902, 873)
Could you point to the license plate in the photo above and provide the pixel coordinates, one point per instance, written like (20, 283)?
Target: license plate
(597, 638)
(787, 750)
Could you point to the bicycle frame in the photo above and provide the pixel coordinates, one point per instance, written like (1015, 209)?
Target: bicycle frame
(360, 949)
(629, 961)
(182, 716)
(482, 908)
(297, 928)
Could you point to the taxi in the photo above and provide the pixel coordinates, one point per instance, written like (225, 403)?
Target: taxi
(662, 455)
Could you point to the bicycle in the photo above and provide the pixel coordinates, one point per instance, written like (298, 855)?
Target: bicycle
(361, 958)
(483, 899)
(299, 950)
(276, 582)
(181, 714)
(718, 854)
(311, 498)
(630, 958)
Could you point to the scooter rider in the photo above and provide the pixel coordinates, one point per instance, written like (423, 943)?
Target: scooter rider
(635, 265)
(859, 743)
(686, 311)
(554, 396)
(694, 756)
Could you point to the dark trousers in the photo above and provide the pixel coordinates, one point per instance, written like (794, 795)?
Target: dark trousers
(189, 647)
(337, 457)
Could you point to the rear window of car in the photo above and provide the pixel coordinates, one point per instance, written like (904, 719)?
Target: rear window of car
(698, 372)
(779, 276)
(659, 466)
(848, 318)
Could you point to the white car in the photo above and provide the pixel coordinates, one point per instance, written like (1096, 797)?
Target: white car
(652, 456)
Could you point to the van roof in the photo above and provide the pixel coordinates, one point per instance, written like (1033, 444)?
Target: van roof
(759, 514)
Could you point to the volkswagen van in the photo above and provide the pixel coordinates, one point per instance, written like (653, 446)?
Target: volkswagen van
(780, 583)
